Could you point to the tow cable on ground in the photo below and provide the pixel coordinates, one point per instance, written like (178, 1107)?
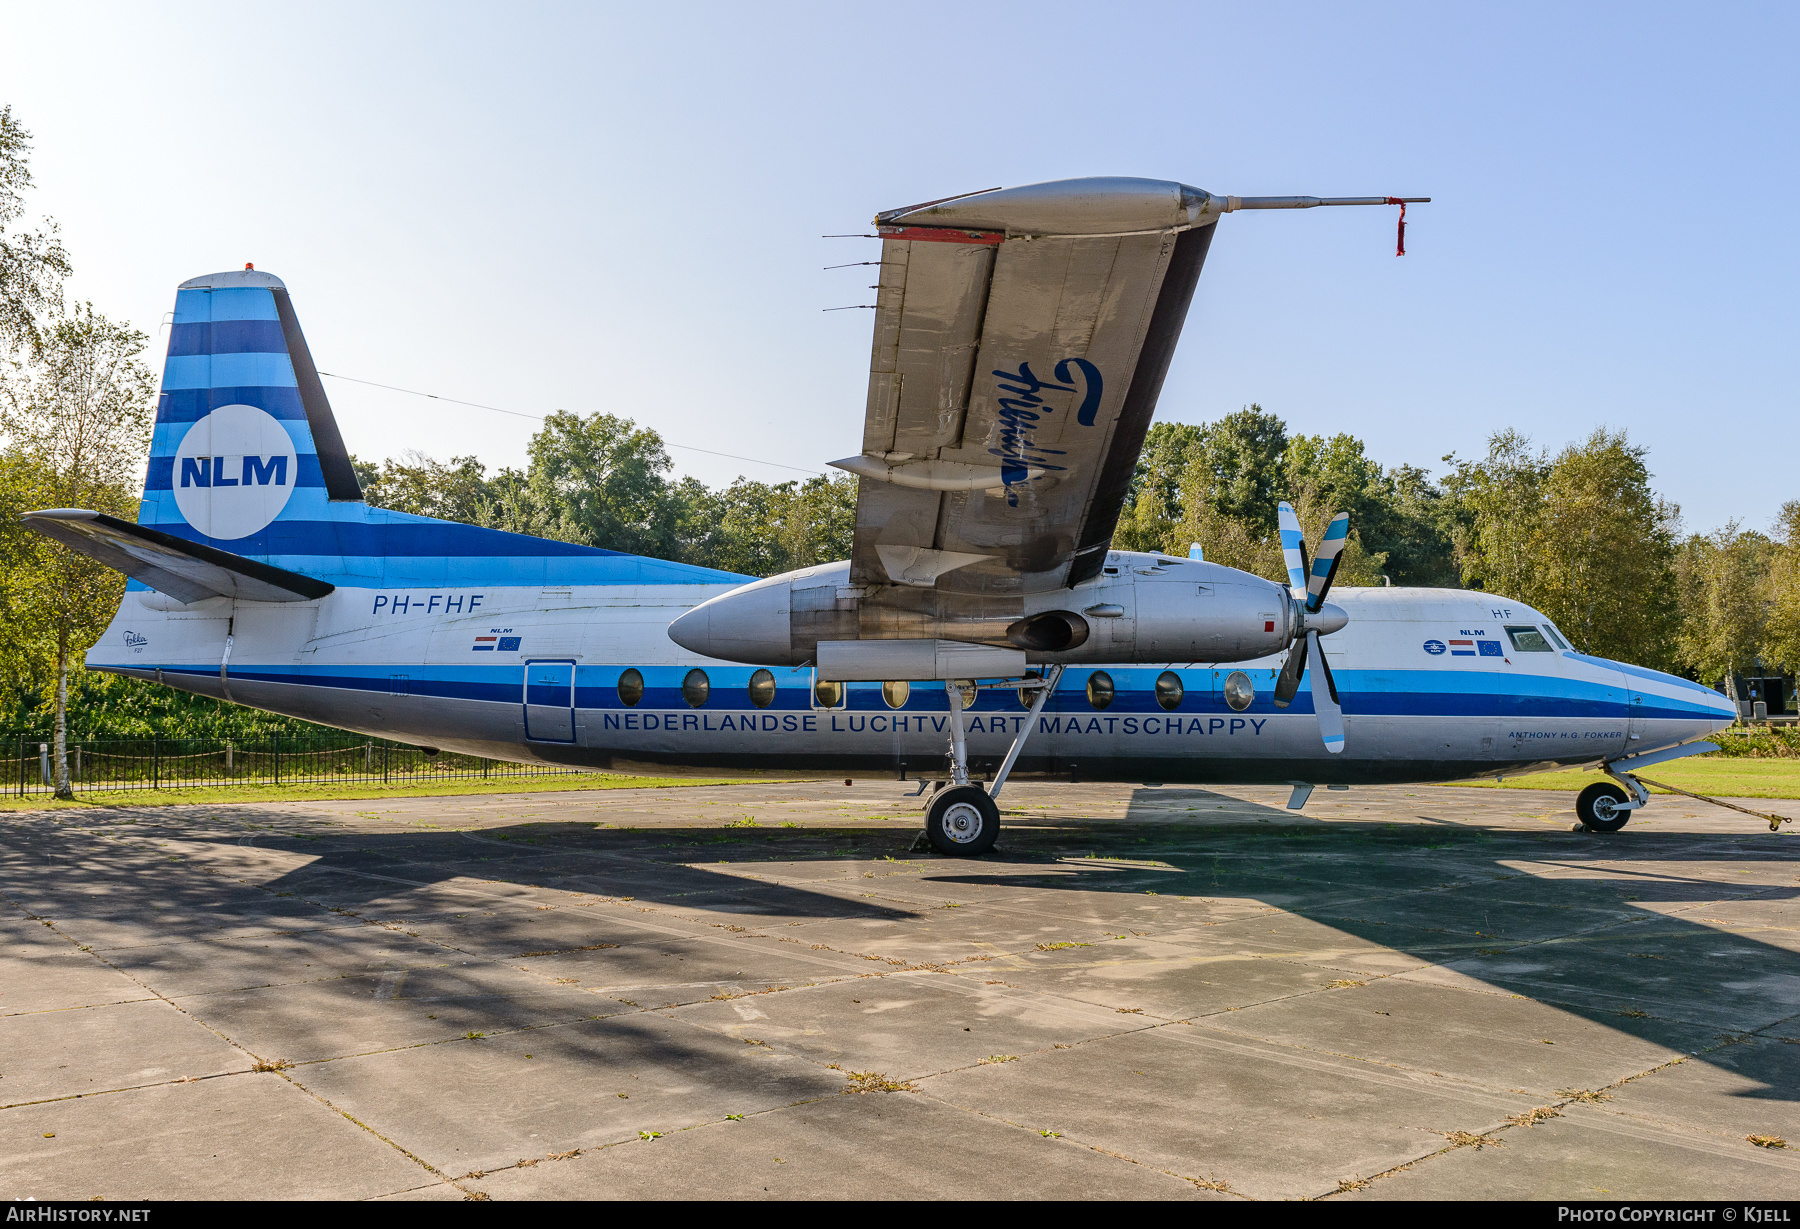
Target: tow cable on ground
(1775, 821)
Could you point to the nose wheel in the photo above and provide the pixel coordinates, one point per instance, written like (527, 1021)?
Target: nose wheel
(962, 822)
(1600, 808)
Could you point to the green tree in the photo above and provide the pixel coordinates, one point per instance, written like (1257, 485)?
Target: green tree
(1781, 637)
(77, 421)
(1244, 454)
(1154, 503)
(32, 262)
(599, 480)
(1581, 537)
(761, 529)
(416, 483)
(1723, 599)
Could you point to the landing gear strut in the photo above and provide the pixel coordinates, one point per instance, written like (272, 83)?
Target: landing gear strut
(964, 820)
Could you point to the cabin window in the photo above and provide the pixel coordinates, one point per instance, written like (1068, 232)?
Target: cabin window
(1028, 694)
(762, 689)
(1100, 689)
(695, 688)
(1528, 640)
(828, 694)
(1169, 690)
(896, 694)
(1557, 637)
(1239, 690)
(631, 688)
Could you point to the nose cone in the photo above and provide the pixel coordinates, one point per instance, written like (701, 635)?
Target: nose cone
(1722, 710)
(748, 624)
(1330, 618)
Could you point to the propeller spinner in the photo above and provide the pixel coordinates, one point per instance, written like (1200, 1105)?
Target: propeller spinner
(1316, 619)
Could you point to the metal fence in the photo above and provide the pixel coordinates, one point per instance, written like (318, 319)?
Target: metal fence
(99, 764)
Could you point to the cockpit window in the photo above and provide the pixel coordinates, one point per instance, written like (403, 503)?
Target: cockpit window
(1557, 637)
(1529, 640)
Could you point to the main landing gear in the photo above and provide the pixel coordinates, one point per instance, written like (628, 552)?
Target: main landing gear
(964, 820)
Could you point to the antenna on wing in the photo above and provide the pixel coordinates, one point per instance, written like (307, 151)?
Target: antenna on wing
(1235, 203)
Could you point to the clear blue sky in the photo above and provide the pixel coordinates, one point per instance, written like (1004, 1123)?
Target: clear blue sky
(619, 208)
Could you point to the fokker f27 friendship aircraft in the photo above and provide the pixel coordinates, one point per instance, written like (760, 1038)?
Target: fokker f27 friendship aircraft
(983, 626)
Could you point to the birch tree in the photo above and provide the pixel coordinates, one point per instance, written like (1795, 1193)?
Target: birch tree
(32, 262)
(76, 417)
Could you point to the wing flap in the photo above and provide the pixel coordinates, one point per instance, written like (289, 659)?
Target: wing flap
(186, 571)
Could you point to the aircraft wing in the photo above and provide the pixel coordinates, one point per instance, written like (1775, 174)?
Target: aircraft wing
(186, 571)
(1021, 340)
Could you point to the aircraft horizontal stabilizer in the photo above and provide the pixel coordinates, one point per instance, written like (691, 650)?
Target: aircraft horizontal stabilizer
(186, 571)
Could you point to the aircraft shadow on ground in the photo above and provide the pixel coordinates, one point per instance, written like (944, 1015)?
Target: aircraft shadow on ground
(1567, 919)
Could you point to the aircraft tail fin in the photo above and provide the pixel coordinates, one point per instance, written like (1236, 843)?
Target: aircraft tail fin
(244, 436)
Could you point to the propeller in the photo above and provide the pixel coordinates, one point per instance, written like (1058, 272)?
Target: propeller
(1309, 588)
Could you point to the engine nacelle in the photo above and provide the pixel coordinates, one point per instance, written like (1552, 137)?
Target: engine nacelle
(1142, 608)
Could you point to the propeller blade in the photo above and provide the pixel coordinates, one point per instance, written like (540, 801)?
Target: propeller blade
(1325, 698)
(1325, 563)
(1293, 546)
(1289, 682)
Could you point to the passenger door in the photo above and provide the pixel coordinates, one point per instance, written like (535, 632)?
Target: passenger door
(550, 701)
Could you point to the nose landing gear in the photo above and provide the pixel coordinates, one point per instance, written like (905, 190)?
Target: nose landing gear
(1600, 808)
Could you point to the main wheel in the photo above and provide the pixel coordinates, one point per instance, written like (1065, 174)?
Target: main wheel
(962, 822)
(1598, 807)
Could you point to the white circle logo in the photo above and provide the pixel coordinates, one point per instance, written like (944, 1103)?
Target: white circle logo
(234, 472)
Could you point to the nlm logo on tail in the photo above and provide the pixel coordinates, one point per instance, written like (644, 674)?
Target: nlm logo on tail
(235, 470)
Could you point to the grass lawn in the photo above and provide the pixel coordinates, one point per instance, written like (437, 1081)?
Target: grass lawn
(1725, 777)
(225, 795)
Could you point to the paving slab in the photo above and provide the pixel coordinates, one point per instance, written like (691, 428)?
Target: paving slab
(482, 1104)
(248, 962)
(54, 982)
(72, 1053)
(877, 1146)
(911, 1025)
(1582, 1156)
(1490, 1040)
(237, 1137)
(1735, 1090)
(389, 1009)
(1250, 1003)
(1186, 1101)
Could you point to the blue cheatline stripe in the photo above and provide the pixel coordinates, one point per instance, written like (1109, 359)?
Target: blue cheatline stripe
(167, 436)
(160, 474)
(193, 404)
(1132, 712)
(218, 370)
(230, 303)
(227, 337)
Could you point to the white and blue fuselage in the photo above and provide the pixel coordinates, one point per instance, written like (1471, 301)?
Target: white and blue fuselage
(1433, 683)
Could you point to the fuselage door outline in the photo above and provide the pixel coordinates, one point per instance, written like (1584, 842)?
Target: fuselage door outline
(550, 700)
